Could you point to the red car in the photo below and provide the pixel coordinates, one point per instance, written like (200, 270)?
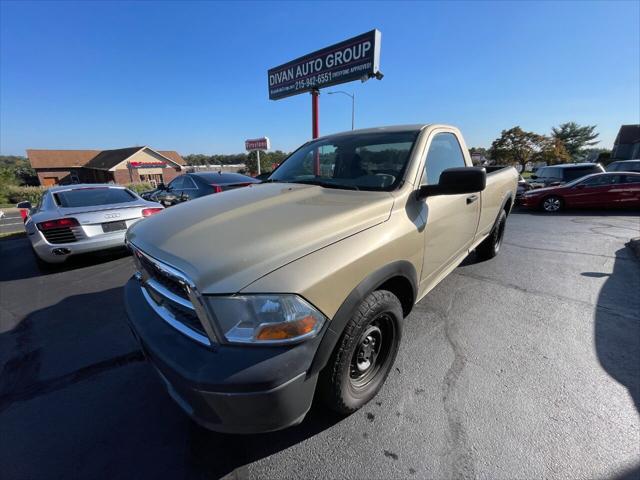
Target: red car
(600, 190)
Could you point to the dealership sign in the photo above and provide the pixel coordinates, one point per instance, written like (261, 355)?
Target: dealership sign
(257, 144)
(353, 59)
(147, 164)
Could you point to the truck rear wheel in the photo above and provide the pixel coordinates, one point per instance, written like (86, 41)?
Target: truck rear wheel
(490, 246)
(364, 355)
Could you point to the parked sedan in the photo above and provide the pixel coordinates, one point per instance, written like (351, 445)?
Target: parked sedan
(601, 190)
(75, 219)
(195, 185)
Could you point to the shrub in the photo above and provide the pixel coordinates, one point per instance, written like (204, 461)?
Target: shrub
(140, 187)
(17, 194)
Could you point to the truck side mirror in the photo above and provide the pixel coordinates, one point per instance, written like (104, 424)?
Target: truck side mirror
(455, 181)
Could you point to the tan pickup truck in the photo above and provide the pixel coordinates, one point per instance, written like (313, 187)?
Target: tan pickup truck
(250, 302)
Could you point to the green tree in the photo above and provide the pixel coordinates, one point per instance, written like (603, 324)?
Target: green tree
(552, 152)
(576, 138)
(268, 161)
(483, 152)
(595, 154)
(20, 169)
(517, 147)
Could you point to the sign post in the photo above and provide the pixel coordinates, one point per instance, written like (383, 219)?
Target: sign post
(357, 58)
(257, 144)
(315, 118)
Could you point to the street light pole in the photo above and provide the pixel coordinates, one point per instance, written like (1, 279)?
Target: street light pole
(353, 105)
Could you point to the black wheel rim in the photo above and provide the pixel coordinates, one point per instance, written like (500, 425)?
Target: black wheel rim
(372, 351)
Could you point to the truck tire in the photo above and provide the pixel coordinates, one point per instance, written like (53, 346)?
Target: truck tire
(490, 246)
(364, 354)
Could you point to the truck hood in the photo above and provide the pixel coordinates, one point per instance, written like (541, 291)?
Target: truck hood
(226, 241)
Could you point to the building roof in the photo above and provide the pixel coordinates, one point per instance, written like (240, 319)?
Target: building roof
(60, 158)
(110, 158)
(628, 135)
(172, 155)
(98, 159)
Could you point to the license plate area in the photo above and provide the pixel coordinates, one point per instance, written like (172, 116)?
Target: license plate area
(114, 226)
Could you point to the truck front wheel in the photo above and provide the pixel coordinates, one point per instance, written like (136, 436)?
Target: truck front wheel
(364, 355)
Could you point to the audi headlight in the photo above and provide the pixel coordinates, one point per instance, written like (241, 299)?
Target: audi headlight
(271, 319)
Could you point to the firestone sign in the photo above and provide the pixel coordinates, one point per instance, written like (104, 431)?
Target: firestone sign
(257, 144)
(147, 164)
(353, 59)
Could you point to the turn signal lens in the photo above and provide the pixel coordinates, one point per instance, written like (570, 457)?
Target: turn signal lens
(59, 223)
(285, 330)
(151, 211)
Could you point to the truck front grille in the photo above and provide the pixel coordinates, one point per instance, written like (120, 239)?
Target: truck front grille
(170, 283)
(167, 292)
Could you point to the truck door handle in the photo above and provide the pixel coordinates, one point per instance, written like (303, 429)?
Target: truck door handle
(471, 199)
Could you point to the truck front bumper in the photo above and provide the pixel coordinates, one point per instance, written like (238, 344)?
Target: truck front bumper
(226, 388)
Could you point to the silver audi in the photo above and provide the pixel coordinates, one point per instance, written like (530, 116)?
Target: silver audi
(75, 219)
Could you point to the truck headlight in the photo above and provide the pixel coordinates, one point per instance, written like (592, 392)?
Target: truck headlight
(265, 319)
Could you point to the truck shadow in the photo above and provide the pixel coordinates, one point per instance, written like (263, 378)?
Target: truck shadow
(234, 452)
(78, 400)
(617, 323)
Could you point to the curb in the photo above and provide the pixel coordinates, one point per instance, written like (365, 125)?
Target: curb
(634, 245)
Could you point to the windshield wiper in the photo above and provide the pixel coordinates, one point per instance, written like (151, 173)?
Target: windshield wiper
(320, 183)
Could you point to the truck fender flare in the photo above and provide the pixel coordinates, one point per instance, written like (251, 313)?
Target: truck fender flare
(401, 268)
(507, 198)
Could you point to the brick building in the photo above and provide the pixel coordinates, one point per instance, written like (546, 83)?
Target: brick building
(123, 165)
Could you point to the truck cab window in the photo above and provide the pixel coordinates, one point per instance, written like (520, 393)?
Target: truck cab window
(444, 152)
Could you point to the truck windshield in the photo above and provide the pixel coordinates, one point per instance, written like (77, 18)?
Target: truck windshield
(370, 161)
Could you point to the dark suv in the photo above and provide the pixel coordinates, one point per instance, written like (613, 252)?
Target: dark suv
(624, 166)
(561, 174)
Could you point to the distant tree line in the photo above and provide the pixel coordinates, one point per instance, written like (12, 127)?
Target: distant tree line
(569, 142)
(15, 173)
(16, 170)
(200, 159)
(267, 160)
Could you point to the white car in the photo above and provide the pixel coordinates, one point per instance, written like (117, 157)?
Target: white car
(75, 219)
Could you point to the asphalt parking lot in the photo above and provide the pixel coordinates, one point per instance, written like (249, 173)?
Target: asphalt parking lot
(11, 221)
(524, 366)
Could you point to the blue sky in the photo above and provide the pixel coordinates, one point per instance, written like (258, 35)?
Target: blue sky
(193, 76)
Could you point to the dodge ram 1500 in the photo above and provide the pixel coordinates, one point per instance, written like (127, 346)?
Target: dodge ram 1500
(250, 302)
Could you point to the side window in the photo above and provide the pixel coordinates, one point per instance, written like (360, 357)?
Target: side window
(601, 180)
(444, 152)
(632, 179)
(188, 184)
(554, 173)
(177, 183)
(571, 174)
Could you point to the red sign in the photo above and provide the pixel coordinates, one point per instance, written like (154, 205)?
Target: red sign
(147, 164)
(257, 144)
